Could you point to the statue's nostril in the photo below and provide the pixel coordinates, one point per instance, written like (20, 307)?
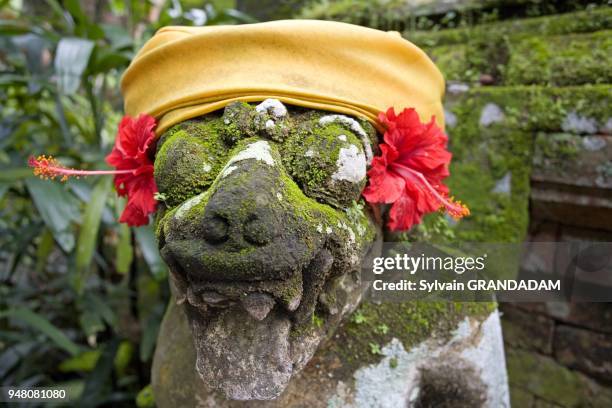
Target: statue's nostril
(257, 231)
(215, 229)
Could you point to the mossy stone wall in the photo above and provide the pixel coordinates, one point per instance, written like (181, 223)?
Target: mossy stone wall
(528, 117)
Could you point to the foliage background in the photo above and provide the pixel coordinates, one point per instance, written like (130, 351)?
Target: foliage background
(81, 296)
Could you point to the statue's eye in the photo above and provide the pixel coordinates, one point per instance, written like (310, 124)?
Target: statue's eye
(187, 162)
(328, 163)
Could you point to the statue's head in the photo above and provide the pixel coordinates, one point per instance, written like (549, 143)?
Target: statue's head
(264, 231)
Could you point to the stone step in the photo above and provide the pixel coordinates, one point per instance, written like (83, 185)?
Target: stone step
(411, 15)
(572, 109)
(573, 59)
(545, 379)
(570, 205)
(559, 24)
(568, 159)
(561, 60)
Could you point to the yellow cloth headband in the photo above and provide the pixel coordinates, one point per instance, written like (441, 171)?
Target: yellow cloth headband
(184, 72)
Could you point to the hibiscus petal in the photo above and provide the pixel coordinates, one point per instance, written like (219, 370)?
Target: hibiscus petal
(141, 201)
(403, 214)
(135, 136)
(384, 186)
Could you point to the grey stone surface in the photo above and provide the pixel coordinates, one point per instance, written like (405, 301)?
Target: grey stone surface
(575, 123)
(491, 113)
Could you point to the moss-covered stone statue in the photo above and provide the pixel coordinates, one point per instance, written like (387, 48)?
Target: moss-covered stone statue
(264, 236)
(264, 232)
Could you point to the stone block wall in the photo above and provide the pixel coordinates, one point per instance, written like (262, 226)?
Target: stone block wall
(530, 127)
(541, 85)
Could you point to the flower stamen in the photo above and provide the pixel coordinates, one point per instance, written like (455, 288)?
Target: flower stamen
(454, 208)
(48, 167)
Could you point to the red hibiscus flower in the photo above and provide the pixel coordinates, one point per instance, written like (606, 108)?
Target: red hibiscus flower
(131, 153)
(409, 171)
(134, 169)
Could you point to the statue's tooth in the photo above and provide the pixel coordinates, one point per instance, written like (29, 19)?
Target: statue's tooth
(258, 305)
(294, 302)
(212, 298)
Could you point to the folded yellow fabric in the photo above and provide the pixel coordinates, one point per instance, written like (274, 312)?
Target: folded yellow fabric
(184, 72)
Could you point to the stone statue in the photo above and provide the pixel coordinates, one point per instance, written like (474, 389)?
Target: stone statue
(264, 233)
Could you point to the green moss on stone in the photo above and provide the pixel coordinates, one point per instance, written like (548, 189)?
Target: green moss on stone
(578, 22)
(189, 159)
(483, 155)
(548, 380)
(452, 61)
(561, 61)
(409, 322)
(310, 156)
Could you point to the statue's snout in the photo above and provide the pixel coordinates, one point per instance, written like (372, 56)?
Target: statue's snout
(243, 215)
(248, 227)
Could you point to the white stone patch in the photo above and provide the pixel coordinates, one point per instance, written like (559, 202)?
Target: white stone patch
(329, 230)
(354, 126)
(273, 107)
(259, 150)
(350, 231)
(342, 138)
(457, 87)
(361, 230)
(270, 124)
(477, 344)
(279, 196)
(491, 113)
(575, 123)
(188, 205)
(351, 165)
(310, 152)
(206, 167)
(593, 143)
(227, 171)
(320, 228)
(607, 127)
(504, 185)
(488, 356)
(450, 118)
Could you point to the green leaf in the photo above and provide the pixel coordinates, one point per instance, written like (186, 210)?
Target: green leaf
(125, 251)
(44, 326)
(43, 250)
(88, 234)
(105, 311)
(124, 356)
(240, 16)
(4, 186)
(13, 174)
(96, 385)
(91, 322)
(150, 332)
(86, 361)
(73, 388)
(57, 207)
(71, 59)
(148, 245)
(13, 27)
(83, 362)
(105, 60)
(145, 398)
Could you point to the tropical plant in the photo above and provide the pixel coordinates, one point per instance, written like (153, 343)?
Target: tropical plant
(81, 296)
